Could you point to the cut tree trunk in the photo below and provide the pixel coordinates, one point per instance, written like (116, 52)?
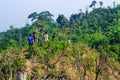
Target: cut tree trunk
(21, 75)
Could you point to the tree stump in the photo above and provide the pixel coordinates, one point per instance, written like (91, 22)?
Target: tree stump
(21, 75)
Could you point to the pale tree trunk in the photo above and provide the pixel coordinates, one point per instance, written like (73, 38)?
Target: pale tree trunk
(21, 75)
(10, 74)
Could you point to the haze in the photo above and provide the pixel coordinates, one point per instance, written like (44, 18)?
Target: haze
(15, 12)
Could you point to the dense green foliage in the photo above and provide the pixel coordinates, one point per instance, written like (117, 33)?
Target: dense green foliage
(99, 29)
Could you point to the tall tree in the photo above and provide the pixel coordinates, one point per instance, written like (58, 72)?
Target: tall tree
(101, 3)
(93, 4)
(114, 4)
(62, 20)
(45, 16)
(75, 19)
(33, 16)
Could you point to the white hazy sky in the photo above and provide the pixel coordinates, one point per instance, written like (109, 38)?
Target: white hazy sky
(15, 12)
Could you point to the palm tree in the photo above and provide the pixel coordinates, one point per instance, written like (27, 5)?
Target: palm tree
(101, 3)
(114, 5)
(93, 4)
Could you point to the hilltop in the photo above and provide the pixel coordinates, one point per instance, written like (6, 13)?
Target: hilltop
(93, 54)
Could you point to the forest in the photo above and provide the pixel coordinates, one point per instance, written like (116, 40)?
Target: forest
(92, 54)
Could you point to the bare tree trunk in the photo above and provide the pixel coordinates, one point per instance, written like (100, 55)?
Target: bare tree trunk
(99, 65)
(84, 75)
(78, 63)
(97, 72)
(97, 69)
(10, 74)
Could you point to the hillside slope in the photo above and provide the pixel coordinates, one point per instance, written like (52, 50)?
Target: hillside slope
(93, 54)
